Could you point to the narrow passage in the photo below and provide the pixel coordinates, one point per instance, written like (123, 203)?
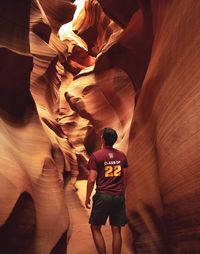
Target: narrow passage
(81, 241)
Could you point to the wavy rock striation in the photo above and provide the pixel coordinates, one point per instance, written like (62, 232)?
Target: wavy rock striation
(67, 71)
(163, 188)
(32, 195)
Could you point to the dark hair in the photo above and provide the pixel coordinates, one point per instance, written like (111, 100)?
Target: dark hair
(110, 136)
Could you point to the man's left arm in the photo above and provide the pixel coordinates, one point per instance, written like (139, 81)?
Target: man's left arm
(125, 168)
(90, 185)
(124, 179)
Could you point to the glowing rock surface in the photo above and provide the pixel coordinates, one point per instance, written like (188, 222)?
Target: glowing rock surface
(130, 65)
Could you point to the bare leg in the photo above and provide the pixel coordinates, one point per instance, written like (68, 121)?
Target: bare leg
(98, 239)
(117, 240)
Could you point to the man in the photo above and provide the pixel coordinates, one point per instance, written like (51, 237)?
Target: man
(107, 167)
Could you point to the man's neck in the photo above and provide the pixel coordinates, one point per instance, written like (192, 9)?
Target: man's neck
(104, 146)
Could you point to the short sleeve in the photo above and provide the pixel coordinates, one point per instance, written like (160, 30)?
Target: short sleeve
(125, 163)
(92, 163)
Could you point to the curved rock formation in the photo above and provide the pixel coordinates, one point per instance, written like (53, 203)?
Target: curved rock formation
(67, 71)
(164, 139)
(26, 162)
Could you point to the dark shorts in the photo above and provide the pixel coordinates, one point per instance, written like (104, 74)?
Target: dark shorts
(105, 206)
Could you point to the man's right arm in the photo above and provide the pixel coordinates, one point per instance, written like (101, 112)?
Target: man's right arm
(90, 185)
(92, 167)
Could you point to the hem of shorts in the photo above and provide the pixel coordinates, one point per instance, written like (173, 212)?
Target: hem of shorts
(96, 224)
(118, 225)
(109, 193)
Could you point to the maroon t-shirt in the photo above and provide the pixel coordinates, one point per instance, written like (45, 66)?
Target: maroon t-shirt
(109, 164)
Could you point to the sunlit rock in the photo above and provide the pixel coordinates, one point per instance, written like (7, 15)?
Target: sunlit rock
(67, 71)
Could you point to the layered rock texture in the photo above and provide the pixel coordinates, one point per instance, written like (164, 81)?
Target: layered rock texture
(67, 71)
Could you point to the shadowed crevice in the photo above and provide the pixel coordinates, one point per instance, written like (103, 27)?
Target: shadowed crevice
(61, 245)
(18, 232)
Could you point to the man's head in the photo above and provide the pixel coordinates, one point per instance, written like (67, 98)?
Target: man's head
(109, 136)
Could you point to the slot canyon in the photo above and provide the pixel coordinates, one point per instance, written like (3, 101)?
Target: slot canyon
(68, 69)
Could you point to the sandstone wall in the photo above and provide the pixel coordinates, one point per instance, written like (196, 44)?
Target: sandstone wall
(130, 65)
